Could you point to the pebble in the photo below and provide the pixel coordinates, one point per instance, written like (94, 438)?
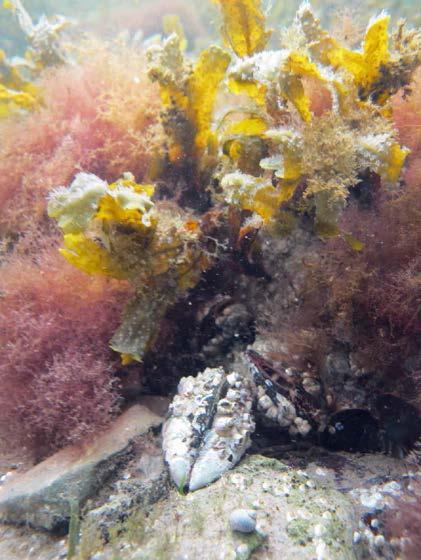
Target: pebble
(243, 520)
(392, 488)
(379, 540)
(6, 477)
(242, 552)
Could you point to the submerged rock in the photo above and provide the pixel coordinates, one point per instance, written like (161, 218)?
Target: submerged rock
(295, 516)
(41, 496)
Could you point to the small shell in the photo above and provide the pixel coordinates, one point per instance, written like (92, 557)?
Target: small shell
(265, 402)
(243, 520)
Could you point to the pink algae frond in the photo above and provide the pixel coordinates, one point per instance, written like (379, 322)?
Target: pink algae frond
(407, 120)
(55, 366)
(100, 115)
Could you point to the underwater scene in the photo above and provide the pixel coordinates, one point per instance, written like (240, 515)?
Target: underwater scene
(210, 280)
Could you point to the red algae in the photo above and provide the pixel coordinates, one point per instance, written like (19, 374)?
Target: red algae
(407, 119)
(100, 115)
(56, 366)
(403, 522)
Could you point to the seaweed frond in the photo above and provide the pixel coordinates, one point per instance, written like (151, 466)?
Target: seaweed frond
(243, 28)
(188, 95)
(115, 230)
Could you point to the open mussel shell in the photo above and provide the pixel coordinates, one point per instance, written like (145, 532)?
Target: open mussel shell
(208, 427)
(353, 430)
(400, 423)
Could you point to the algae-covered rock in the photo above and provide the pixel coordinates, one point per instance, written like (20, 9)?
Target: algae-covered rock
(296, 517)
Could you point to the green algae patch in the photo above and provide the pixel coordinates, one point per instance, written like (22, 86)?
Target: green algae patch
(299, 530)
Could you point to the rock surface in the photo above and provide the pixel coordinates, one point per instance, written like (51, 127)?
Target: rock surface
(143, 482)
(309, 503)
(41, 496)
(297, 517)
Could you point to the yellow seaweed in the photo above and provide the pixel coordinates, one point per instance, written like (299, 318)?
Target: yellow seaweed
(11, 101)
(110, 210)
(256, 194)
(366, 66)
(15, 92)
(203, 86)
(172, 24)
(266, 202)
(251, 88)
(397, 156)
(295, 67)
(243, 27)
(89, 256)
(188, 95)
(249, 127)
(353, 242)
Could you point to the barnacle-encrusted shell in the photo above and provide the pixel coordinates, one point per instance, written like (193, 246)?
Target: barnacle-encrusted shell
(274, 407)
(208, 428)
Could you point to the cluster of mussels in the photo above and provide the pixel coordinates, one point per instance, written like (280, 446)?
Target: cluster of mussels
(213, 416)
(212, 420)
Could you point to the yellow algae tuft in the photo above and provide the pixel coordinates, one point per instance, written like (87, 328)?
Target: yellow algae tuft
(167, 67)
(90, 213)
(366, 66)
(203, 87)
(172, 24)
(127, 203)
(17, 90)
(251, 126)
(188, 94)
(253, 193)
(12, 101)
(256, 91)
(243, 27)
(116, 230)
(296, 67)
(16, 93)
(88, 255)
(395, 161)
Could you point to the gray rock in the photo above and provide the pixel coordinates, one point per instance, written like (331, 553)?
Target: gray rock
(309, 505)
(41, 496)
(148, 484)
(297, 517)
